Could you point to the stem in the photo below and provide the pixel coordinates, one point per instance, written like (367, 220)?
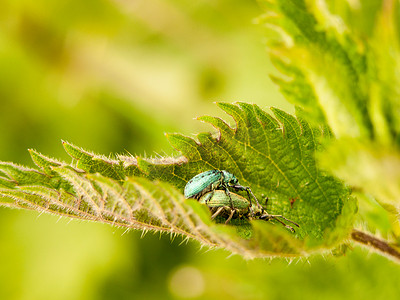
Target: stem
(377, 244)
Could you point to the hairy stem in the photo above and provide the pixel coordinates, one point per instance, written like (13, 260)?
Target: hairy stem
(377, 244)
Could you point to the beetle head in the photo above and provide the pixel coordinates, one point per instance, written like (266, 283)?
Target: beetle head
(230, 178)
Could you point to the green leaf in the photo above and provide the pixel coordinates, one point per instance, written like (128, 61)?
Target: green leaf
(321, 60)
(348, 79)
(274, 156)
(384, 65)
(341, 67)
(373, 170)
(92, 163)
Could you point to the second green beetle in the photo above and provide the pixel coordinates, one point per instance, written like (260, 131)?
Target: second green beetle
(220, 205)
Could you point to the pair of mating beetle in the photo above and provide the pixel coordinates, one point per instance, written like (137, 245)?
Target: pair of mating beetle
(212, 188)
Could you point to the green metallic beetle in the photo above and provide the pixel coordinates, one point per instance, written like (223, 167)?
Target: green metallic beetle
(212, 180)
(219, 205)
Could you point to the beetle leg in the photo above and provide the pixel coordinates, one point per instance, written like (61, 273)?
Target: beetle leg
(280, 216)
(217, 212)
(211, 194)
(230, 216)
(251, 211)
(266, 201)
(287, 226)
(229, 195)
(268, 217)
(249, 192)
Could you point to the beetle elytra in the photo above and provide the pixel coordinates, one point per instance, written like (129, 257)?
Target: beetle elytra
(212, 180)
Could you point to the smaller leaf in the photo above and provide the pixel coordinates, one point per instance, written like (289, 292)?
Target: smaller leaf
(312, 39)
(42, 161)
(373, 168)
(13, 175)
(92, 163)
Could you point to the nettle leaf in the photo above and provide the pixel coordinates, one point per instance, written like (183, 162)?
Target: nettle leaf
(335, 73)
(348, 78)
(377, 169)
(274, 156)
(324, 68)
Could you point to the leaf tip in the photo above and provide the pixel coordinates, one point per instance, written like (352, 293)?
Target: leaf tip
(173, 139)
(201, 118)
(222, 104)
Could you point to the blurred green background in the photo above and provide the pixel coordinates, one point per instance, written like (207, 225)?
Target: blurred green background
(112, 77)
